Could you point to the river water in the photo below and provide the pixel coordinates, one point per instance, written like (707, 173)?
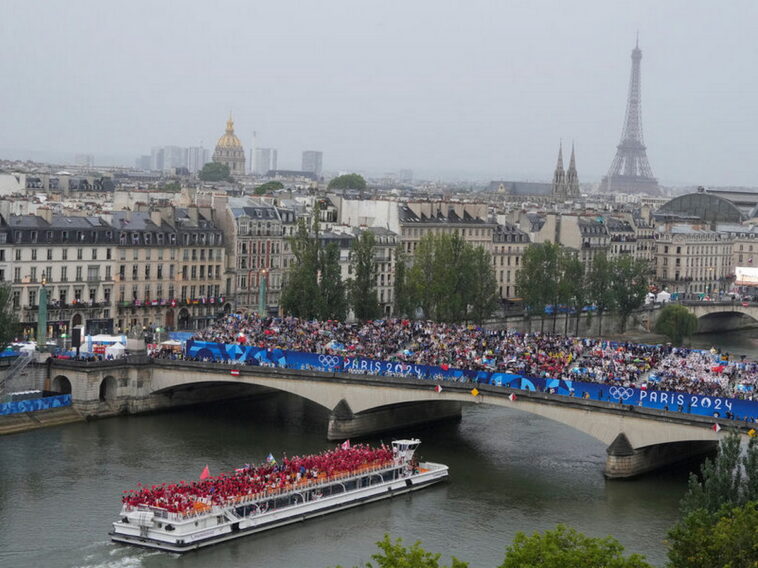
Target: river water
(510, 471)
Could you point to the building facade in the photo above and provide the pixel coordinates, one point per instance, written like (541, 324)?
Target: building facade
(229, 151)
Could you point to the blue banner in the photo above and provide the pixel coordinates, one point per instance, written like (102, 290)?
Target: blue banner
(717, 407)
(35, 404)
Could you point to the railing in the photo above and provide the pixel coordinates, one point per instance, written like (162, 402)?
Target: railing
(23, 360)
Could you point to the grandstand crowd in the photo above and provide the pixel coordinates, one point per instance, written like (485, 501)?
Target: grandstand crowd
(535, 354)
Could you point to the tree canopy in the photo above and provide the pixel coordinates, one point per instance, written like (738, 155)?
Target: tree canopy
(8, 316)
(720, 511)
(214, 171)
(628, 286)
(347, 181)
(676, 322)
(450, 280)
(268, 187)
(566, 548)
(362, 287)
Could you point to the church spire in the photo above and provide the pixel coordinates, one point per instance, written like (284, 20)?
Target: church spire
(572, 178)
(559, 176)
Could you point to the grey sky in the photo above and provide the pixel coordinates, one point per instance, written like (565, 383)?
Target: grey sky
(452, 89)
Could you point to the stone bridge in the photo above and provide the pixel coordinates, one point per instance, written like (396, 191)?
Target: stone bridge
(639, 439)
(718, 316)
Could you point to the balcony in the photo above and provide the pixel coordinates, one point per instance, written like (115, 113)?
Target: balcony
(204, 301)
(74, 305)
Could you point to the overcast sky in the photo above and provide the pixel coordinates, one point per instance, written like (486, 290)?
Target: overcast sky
(470, 89)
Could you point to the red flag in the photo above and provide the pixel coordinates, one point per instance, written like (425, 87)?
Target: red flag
(445, 366)
(235, 372)
(512, 396)
(716, 428)
(205, 473)
(345, 445)
(438, 388)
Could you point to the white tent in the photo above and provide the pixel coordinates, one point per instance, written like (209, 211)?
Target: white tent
(663, 297)
(115, 350)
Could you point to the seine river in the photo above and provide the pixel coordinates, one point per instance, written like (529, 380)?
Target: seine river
(510, 471)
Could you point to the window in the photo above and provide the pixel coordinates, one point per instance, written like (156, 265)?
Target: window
(170, 271)
(64, 275)
(93, 273)
(79, 254)
(78, 273)
(147, 272)
(18, 254)
(49, 254)
(107, 272)
(49, 273)
(135, 275)
(159, 274)
(33, 273)
(62, 296)
(184, 273)
(32, 297)
(16, 298)
(94, 254)
(34, 254)
(107, 295)
(194, 272)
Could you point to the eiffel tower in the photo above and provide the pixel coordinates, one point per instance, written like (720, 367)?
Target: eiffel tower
(630, 171)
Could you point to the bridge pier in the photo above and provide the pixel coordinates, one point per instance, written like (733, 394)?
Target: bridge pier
(344, 424)
(624, 461)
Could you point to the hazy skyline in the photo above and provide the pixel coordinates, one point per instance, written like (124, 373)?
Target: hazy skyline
(473, 90)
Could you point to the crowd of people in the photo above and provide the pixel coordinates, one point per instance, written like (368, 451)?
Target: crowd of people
(255, 481)
(534, 354)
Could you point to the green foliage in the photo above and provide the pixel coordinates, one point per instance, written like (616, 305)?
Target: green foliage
(8, 316)
(566, 548)
(268, 187)
(313, 287)
(537, 281)
(730, 541)
(629, 285)
(676, 322)
(347, 181)
(362, 287)
(599, 280)
(719, 518)
(395, 555)
(451, 280)
(403, 303)
(213, 171)
(332, 302)
(727, 480)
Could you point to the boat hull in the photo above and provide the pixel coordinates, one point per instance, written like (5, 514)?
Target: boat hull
(278, 518)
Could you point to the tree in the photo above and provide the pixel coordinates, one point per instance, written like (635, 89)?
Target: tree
(301, 293)
(362, 287)
(537, 282)
(214, 171)
(732, 540)
(451, 280)
(332, 301)
(8, 316)
(483, 286)
(402, 300)
(347, 181)
(268, 187)
(566, 548)
(717, 509)
(628, 285)
(676, 322)
(570, 285)
(599, 281)
(395, 555)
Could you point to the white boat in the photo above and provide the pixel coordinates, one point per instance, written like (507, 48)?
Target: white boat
(208, 523)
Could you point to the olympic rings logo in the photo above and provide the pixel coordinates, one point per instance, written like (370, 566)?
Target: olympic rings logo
(329, 360)
(623, 393)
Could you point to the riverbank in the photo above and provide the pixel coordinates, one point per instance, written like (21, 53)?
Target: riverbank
(25, 421)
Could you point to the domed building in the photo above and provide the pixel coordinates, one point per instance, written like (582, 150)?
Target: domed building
(229, 151)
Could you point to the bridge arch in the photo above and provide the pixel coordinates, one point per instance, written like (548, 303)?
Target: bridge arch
(108, 387)
(61, 384)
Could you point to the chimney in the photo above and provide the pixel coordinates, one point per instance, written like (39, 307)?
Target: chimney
(46, 213)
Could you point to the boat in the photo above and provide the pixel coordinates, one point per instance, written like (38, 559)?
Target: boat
(183, 517)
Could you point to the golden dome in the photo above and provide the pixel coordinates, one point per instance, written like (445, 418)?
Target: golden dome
(229, 139)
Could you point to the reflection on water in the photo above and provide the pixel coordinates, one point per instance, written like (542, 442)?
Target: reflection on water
(510, 471)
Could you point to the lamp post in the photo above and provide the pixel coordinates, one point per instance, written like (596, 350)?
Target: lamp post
(262, 282)
(42, 316)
